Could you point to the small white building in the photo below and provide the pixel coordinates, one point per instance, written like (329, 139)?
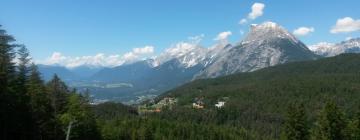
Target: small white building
(198, 106)
(220, 104)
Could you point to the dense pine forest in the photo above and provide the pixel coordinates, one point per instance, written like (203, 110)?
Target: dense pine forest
(298, 101)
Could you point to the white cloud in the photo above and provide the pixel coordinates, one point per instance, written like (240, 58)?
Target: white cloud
(256, 10)
(303, 31)
(223, 36)
(243, 21)
(345, 25)
(144, 50)
(196, 39)
(56, 57)
(100, 59)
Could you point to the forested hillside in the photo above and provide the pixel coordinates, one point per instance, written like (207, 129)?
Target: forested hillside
(259, 100)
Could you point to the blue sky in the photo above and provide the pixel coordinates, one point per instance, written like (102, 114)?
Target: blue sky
(88, 27)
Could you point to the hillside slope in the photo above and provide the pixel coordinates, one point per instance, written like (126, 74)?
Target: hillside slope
(258, 100)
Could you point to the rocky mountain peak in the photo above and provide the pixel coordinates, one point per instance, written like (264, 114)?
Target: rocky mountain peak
(266, 44)
(267, 31)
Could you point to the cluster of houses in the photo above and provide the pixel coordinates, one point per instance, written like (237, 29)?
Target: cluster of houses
(169, 102)
(199, 103)
(155, 108)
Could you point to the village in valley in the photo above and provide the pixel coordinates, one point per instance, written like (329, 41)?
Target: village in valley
(170, 102)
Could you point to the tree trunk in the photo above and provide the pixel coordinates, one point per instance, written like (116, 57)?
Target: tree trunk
(69, 130)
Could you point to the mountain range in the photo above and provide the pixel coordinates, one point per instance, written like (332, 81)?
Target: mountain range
(330, 49)
(266, 44)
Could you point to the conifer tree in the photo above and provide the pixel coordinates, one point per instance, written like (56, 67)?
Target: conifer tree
(22, 103)
(357, 125)
(296, 125)
(22, 71)
(353, 127)
(79, 119)
(59, 93)
(7, 67)
(11, 119)
(58, 96)
(40, 104)
(331, 123)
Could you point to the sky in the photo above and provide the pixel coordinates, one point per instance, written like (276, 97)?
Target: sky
(113, 31)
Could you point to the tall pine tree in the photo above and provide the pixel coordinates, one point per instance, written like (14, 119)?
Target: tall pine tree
(331, 123)
(40, 105)
(13, 122)
(22, 105)
(59, 94)
(296, 125)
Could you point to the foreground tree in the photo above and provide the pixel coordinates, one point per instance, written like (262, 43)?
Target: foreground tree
(22, 72)
(59, 94)
(79, 120)
(23, 109)
(29, 109)
(331, 123)
(15, 120)
(40, 105)
(296, 125)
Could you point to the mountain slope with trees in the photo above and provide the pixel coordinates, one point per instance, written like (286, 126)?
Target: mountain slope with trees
(259, 100)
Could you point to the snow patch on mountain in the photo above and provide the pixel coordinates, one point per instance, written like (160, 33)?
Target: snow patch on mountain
(330, 49)
(268, 30)
(266, 44)
(188, 54)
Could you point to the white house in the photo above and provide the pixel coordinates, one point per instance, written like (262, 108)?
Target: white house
(220, 104)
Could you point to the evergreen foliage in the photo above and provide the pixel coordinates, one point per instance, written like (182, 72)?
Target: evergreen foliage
(331, 123)
(296, 123)
(30, 109)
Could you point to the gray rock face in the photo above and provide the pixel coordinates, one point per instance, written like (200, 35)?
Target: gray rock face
(266, 45)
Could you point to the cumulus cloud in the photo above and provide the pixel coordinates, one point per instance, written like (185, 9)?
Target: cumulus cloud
(144, 50)
(100, 59)
(345, 25)
(256, 10)
(303, 31)
(196, 39)
(223, 36)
